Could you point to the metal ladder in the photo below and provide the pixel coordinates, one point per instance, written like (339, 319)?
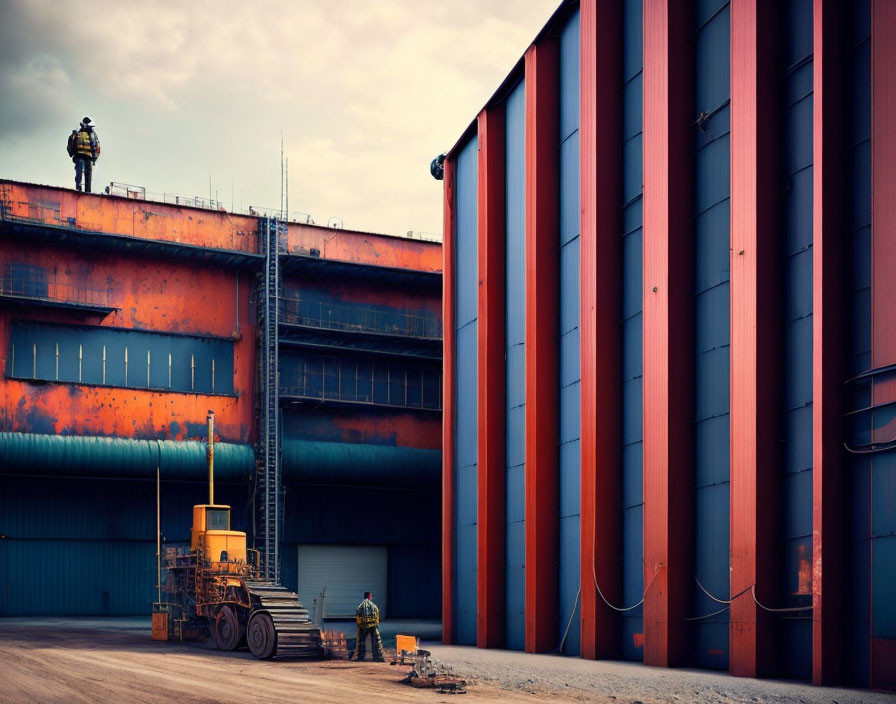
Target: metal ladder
(269, 497)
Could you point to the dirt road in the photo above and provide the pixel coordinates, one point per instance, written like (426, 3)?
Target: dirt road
(46, 664)
(108, 661)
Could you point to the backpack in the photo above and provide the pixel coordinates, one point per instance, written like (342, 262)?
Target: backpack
(72, 146)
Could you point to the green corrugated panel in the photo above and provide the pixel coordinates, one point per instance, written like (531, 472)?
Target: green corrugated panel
(75, 577)
(362, 464)
(70, 455)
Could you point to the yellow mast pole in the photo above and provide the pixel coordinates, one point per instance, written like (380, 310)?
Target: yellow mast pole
(159, 531)
(211, 457)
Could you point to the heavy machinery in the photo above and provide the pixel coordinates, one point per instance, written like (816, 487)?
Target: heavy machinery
(213, 590)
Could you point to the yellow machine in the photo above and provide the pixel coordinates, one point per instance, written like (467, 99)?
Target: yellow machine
(213, 590)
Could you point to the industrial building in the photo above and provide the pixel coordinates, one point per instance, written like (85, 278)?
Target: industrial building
(124, 320)
(670, 343)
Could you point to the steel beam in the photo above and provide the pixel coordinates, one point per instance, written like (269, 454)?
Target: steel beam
(448, 421)
(883, 302)
(490, 570)
(754, 304)
(601, 338)
(542, 301)
(829, 284)
(668, 329)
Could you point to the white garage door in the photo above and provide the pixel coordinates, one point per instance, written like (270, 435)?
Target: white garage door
(346, 571)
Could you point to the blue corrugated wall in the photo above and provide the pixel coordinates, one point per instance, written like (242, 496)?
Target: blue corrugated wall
(76, 546)
(883, 494)
(342, 515)
(859, 354)
(875, 481)
(570, 367)
(713, 334)
(632, 393)
(515, 226)
(795, 250)
(465, 388)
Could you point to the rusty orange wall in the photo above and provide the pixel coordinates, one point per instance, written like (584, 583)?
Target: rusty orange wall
(384, 427)
(207, 228)
(399, 297)
(365, 248)
(153, 295)
(124, 216)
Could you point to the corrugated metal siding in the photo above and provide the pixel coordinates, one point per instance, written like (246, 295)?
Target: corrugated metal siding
(713, 334)
(342, 515)
(87, 547)
(632, 391)
(465, 421)
(128, 358)
(515, 227)
(570, 367)
(342, 573)
(415, 580)
(859, 224)
(796, 90)
(883, 479)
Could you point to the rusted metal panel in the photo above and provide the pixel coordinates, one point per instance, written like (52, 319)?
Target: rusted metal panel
(60, 207)
(158, 296)
(390, 427)
(217, 229)
(365, 248)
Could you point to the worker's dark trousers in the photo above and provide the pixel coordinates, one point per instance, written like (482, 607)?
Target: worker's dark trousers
(375, 641)
(83, 165)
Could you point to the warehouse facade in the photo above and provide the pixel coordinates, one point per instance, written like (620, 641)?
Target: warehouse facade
(123, 321)
(668, 428)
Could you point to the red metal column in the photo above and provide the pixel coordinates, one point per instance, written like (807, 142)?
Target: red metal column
(828, 371)
(601, 344)
(542, 300)
(883, 197)
(449, 362)
(668, 329)
(753, 311)
(883, 261)
(490, 631)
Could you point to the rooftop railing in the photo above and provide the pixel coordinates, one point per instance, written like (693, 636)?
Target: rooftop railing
(42, 289)
(405, 389)
(358, 318)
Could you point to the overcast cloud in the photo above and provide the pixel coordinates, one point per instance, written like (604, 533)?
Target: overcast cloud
(366, 93)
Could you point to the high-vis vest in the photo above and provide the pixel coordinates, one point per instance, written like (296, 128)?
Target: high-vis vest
(368, 615)
(88, 144)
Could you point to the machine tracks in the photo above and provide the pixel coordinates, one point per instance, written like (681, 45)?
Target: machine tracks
(279, 626)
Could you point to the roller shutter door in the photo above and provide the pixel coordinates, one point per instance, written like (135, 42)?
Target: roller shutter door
(346, 571)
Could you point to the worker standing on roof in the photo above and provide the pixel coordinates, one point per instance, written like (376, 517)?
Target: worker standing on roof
(368, 618)
(84, 149)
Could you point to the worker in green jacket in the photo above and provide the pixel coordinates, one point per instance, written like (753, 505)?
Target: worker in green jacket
(368, 618)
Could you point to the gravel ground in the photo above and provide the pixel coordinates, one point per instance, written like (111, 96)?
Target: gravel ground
(629, 683)
(113, 660)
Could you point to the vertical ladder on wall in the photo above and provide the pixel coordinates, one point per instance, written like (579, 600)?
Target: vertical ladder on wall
(269, 498)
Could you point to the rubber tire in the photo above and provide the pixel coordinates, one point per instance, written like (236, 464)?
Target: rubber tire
(228, 630)
(261, 636)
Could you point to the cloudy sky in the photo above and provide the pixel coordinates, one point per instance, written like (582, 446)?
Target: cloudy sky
(366, 93)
